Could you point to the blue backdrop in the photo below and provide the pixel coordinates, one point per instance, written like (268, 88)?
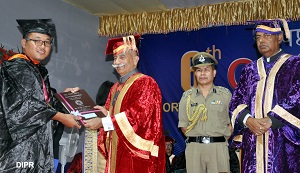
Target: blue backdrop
(166, 57)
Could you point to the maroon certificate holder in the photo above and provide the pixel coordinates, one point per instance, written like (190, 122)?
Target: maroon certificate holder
(79, 101)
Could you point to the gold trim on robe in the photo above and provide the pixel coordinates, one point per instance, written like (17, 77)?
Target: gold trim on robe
(269, 99)
(258, 113)
(286, 116)
(111, 134)
(235, 113)
(133, 138)
(265, 87)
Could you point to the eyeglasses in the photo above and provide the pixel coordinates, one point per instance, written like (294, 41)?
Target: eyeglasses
(46, 43)
(264, 36)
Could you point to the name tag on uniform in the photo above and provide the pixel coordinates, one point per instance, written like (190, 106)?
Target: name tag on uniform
(194, 104)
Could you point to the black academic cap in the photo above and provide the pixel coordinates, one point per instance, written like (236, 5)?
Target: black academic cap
(43, 26)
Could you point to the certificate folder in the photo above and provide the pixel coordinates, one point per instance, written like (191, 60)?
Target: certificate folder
(79, 101)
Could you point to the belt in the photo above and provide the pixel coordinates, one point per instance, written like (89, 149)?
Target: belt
(205, 139)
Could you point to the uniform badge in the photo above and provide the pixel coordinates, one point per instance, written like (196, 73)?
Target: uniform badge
(216, 102)
(201, 59)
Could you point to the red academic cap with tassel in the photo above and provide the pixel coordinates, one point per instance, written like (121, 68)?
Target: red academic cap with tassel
(121, 44)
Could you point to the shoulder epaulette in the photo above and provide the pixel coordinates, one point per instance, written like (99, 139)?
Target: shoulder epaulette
(187, 92)
(223, 89)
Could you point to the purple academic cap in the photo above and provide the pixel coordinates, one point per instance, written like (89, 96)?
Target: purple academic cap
(272, 26)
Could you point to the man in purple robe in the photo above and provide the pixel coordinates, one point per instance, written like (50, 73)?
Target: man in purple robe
(265, 106)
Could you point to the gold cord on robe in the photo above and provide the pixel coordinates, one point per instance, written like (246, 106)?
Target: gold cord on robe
(199, 110)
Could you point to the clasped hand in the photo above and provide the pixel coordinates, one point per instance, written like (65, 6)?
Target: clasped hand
(258, 126)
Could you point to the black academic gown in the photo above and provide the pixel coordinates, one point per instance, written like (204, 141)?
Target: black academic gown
(178, 163)
(25, 118)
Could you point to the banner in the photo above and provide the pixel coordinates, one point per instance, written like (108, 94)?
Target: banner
(167, 58)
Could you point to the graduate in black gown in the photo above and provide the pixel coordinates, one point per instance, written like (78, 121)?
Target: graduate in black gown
(27, 104)
(174, 163)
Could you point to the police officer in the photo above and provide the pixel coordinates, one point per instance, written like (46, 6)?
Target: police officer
(204, 119)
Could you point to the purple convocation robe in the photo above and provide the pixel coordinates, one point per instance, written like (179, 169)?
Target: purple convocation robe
(269, 89)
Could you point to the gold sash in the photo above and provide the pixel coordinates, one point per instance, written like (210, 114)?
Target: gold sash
(113, 136)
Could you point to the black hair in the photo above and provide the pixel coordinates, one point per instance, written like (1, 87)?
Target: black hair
(103, 92)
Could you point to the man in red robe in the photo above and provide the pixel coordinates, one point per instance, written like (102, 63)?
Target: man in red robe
(131, 136)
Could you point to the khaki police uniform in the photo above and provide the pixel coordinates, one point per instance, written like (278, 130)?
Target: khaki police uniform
(207, 148)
